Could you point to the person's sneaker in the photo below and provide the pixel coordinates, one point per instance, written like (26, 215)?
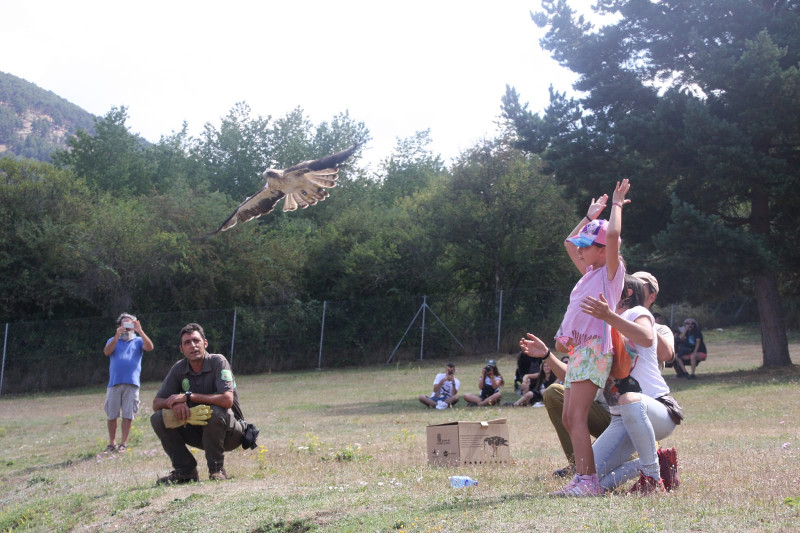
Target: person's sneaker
(122, 448)
(441, 405)
(668, 463)
(177, 478)
(691, 376)
(646, 485)
(219, 475)
(111, 448)
(538, 404)
(580, 486)
(567, 471)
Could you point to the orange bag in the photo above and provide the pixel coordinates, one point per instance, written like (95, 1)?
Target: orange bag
(621, 366)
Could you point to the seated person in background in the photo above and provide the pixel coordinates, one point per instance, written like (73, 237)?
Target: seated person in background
(526, 366)
(533, 387)
(445, 389)
(691, 348)
(490, 383)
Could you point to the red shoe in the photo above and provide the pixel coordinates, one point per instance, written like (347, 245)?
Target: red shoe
(668, 462)
(647, 485)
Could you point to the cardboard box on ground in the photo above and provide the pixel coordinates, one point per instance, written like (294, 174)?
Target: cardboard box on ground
(468, 443)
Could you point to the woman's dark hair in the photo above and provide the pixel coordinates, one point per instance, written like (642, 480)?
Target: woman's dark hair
(541, 378)
(635, 287)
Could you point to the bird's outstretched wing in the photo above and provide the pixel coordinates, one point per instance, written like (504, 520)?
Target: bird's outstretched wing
(302, 184)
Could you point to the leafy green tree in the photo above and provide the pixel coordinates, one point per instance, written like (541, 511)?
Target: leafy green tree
(697, 103)
(113, 159)
(43, 214)
(236, 154)
(411, 167)
(500, 221)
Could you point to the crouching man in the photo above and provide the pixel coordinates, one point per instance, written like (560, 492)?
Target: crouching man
(195, 405)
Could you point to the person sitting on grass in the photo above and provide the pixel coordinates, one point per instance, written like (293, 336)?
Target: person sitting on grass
(527, 368)
(533, 387)
(490, 384)
(445, 389)
(691, 348)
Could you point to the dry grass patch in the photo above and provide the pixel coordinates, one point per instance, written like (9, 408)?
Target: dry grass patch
(344, 450)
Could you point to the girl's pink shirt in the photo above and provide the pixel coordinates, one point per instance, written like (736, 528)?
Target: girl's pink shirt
(582, 327)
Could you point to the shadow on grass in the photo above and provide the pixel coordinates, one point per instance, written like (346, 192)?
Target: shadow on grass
(372, 408)
(757, 376)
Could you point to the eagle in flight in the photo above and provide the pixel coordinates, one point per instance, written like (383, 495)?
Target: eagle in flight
(301, 184)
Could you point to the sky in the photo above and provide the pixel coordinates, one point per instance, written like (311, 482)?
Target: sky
(398, 67)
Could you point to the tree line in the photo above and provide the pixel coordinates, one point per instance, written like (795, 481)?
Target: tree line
(697, 105)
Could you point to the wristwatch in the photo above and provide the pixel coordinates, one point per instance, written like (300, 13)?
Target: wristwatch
(188, 396)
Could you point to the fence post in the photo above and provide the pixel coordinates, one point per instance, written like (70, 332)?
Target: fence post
(422, 339)
(233, 335)
(3, 368)
(499, 320)
(322, 333)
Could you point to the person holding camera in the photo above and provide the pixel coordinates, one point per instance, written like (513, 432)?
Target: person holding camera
(124, 351)
(200, 383)
(445, 389)
(490, 383)
(691, 348)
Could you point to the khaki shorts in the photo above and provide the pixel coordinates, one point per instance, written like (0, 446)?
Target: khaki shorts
(122, 399)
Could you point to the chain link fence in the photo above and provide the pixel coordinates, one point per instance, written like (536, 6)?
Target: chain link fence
(63, 354)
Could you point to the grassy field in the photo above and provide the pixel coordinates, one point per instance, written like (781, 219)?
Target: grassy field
(344, 450)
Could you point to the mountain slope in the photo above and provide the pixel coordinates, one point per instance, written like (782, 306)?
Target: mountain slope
(35, 122)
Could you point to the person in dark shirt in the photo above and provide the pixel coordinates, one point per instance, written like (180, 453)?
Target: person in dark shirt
(201, 378)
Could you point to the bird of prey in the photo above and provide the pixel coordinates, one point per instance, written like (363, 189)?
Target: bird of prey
(302, 185)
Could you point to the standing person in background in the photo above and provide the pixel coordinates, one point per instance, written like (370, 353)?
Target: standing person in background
(490, 384)
(445, 389)
(124, 350)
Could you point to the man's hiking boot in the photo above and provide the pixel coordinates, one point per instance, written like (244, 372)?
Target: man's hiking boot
(219, 475)
(178, 478)
(647, 485)
(668, 463)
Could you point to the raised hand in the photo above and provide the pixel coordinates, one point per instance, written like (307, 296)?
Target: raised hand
(596, 207)
(533, 346)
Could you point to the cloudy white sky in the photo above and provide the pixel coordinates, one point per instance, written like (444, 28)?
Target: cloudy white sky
(399, 67)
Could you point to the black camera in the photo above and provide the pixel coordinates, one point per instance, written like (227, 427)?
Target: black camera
(450, 372)
(489, 368)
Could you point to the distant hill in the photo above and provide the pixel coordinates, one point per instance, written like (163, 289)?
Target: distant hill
(35, 122)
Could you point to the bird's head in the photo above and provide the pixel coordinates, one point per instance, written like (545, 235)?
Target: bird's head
(272, 173)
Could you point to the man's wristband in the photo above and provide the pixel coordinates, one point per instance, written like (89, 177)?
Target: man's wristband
(546, 355)
(617, 203)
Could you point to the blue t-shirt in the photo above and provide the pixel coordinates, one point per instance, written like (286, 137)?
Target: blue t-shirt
(126, 362)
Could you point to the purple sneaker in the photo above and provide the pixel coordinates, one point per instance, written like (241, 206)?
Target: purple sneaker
(581, 486)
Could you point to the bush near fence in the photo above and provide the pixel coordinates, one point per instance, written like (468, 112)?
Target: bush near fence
(63, 354)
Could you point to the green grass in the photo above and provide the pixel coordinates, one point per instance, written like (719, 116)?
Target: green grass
(344, 450)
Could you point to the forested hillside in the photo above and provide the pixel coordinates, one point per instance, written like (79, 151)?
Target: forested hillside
(35, 122)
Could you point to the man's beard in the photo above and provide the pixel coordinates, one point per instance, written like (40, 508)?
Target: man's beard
(128, 335)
